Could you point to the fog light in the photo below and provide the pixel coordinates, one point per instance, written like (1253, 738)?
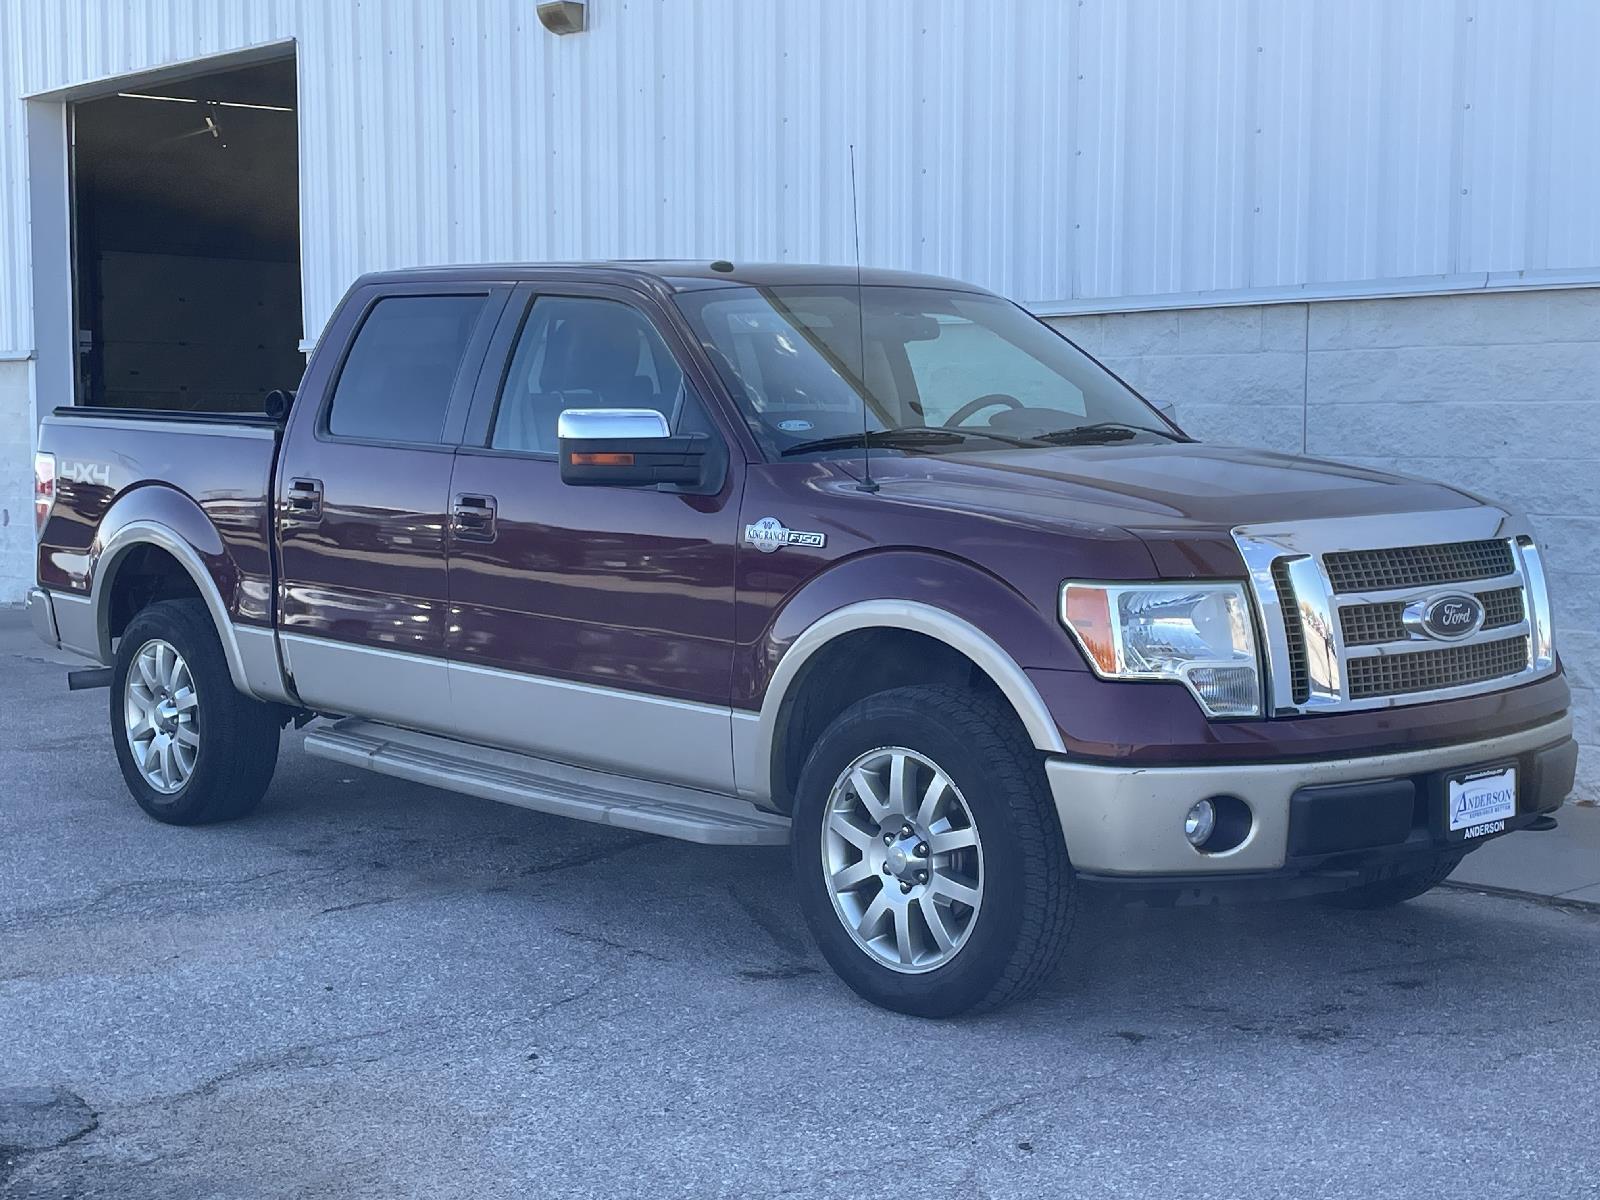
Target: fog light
(1202, 819)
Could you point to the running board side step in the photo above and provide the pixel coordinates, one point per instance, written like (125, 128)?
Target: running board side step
(565, 791)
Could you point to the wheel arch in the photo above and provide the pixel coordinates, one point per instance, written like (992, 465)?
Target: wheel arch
(118, 551)
(763, 756)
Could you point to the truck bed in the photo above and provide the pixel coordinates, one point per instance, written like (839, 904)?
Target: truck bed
(207, 477)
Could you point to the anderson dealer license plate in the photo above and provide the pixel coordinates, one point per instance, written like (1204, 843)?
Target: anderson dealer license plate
(1482, 801)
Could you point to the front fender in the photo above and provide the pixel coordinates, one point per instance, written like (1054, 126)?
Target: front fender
(942, 597)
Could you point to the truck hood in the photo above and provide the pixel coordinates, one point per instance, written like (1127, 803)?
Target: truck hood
(1167, 486)
(1181, 499)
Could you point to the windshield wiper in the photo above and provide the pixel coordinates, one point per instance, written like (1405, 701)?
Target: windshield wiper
(910, 437)
(907, 437)
(1103, 431)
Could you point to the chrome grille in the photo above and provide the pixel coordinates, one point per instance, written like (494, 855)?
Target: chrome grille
(1436, 670)
(1502, 607)
(1374, 624)
(1333, 595)
(1418, 566)
(1299, 673)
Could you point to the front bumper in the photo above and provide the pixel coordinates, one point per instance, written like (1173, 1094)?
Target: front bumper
(43, 615)
(1126, 823)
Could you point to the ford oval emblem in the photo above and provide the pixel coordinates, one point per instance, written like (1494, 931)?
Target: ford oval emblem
(1446, 618)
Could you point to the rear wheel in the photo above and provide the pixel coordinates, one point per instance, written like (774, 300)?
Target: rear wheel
(1384, 893)
(192, 748)
(928, 856)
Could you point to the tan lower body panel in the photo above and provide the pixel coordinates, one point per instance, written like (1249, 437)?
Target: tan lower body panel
(1129, 820)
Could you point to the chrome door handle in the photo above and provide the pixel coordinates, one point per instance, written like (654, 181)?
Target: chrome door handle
(303, 498)
(472, 517)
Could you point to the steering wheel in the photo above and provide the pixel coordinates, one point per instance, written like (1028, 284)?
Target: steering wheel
(973, 407)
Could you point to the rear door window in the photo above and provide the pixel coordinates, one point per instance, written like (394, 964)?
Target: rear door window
(397, 380)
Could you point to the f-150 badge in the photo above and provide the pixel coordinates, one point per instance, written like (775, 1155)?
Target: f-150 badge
(769, 534)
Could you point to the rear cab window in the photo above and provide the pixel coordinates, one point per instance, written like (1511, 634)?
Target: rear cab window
(397, 380)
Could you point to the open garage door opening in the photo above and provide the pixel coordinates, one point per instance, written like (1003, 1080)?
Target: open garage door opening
(186, 242)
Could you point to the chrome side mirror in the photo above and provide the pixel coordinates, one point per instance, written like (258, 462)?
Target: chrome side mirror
(590, 424)
(635, 447)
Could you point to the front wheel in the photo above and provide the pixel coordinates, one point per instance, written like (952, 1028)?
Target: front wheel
(192, 748)
(928, 856)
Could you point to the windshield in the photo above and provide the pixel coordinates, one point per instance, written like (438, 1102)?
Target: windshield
(939, 372)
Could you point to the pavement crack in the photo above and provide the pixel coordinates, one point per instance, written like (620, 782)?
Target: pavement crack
(354, 904)
(599, 939)
(782, 936)
(589, 857)
(186, 891)
(303, 1056)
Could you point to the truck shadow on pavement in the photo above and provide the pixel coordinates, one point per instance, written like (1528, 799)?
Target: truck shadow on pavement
(1297, 969)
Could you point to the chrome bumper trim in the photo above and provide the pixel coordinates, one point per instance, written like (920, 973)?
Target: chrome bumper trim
(1129, 820)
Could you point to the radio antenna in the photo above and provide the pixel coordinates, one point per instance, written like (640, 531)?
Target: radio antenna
(867, 483)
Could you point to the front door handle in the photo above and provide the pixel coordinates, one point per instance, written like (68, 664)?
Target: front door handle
(472, 517)
(303, 499)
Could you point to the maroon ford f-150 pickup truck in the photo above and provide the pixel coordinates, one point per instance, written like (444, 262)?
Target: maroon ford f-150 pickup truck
(881, 567)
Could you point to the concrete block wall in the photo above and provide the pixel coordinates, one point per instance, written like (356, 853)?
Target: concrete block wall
(1496, 392)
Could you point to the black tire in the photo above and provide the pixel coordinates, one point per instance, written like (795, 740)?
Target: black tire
(1385, 893)
(1028, 899)
(238, 736)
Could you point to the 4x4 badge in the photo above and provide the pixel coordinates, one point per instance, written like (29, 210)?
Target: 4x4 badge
(770, 534)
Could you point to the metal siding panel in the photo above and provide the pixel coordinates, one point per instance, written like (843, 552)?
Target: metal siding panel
(1065, 153)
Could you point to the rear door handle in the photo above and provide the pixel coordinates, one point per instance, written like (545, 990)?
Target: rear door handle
(303, 498)
(472, 517)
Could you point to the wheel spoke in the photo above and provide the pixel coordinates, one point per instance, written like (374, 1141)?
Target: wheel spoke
(164, 762)
(935, 922)
(147, 672)
(186, 736)
(867, 789)
(174, 671)
(951, 889)
(846, 828)
(902, 933)
(900, 784)
(184, 699)
(932, 798)
(875, 912)
(852, 876)
(951, 839)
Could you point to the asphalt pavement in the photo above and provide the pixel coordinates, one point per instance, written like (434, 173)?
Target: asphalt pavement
(374, 989)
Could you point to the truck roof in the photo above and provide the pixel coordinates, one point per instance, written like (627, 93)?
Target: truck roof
(679, 275)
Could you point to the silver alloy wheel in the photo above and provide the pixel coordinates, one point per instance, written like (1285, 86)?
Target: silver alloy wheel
(161, 710)
(902, 860)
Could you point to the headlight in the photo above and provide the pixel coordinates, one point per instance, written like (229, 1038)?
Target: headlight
(1198, 634)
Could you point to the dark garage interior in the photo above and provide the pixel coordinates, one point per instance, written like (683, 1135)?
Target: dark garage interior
(186, 242)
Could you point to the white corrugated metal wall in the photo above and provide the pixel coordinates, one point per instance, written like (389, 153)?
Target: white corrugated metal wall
(1072, 153)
